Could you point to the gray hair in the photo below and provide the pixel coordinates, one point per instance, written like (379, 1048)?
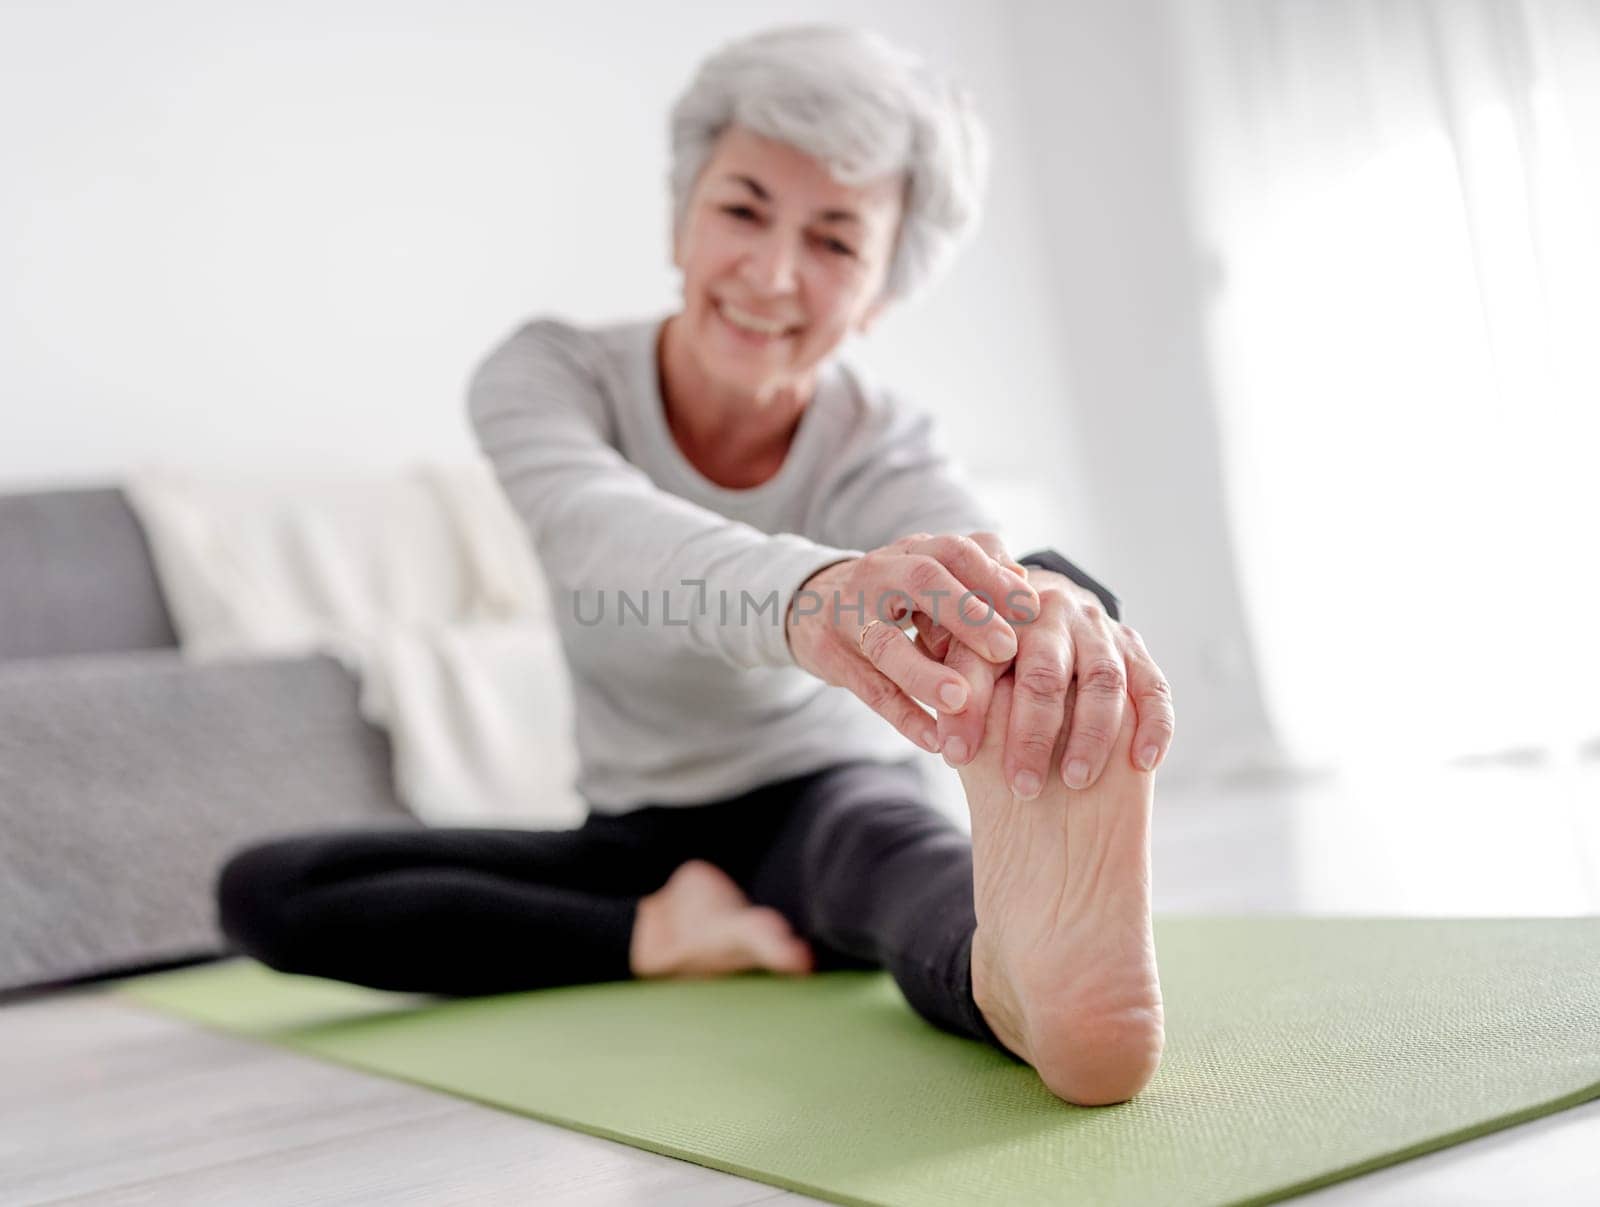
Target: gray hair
(863, 107)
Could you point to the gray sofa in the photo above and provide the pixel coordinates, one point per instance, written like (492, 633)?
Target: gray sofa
(128, 774)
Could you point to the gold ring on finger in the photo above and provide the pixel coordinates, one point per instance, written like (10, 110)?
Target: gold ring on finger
(861, 637)
(904, 625)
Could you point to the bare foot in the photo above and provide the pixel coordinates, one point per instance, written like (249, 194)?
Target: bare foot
(1063, 961)
(701, 924)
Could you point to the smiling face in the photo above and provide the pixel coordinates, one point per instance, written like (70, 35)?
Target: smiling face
(771, 240)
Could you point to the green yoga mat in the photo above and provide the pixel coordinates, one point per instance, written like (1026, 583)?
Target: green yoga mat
(1299, 1052)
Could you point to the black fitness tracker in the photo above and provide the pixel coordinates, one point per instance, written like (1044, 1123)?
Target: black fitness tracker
(1049, 559)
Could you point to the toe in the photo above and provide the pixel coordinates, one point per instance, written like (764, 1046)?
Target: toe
(776, 944)
(986, 763)
(708, 886)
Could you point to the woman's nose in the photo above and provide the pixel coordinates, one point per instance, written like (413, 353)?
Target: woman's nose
(770, 266)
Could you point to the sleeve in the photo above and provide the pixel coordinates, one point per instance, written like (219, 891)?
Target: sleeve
(904, 481)
(597, 521)
(1053, 559)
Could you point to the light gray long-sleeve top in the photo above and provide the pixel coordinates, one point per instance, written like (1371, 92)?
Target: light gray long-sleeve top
(669, 590)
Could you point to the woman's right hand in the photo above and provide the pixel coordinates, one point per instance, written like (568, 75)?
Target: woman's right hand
(835, 634)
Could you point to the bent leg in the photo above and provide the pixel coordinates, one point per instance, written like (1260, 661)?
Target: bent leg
(461, 911)
(864, 865)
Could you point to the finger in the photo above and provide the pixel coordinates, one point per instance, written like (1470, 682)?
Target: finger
(970, 559)
(961, 733)
(1152, 698)
(1102, 698)
(1042, 674)
(935, 638)
(1002, 578)
(995, 547)
(929, 586)
(881, 694)
(912, 671)
(1000, 705)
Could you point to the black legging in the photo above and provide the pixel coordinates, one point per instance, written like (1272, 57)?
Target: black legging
(854, 856)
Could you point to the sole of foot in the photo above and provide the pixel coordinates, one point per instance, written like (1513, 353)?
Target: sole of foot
(701, 924)
(1063, 960)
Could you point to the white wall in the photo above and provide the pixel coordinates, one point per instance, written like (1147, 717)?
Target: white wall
(263, 233)
(255, 235)
(1101, 79)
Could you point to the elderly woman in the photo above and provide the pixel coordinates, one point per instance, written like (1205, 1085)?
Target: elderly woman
(752, 804)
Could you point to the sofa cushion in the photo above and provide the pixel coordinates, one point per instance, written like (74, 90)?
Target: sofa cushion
(126, 781)
(76, 576)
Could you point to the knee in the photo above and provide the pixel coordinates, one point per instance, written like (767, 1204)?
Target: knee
(253, 891)
(875, 850)
(855, 835)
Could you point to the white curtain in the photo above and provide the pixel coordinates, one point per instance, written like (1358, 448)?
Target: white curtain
(1402, 204)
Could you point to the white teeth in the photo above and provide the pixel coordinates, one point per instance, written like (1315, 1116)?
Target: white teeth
(750, 322)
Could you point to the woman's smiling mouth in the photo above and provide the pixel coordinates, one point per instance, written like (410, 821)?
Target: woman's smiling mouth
(752, 327)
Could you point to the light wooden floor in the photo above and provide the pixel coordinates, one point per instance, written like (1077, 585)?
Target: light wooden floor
(104, 1102)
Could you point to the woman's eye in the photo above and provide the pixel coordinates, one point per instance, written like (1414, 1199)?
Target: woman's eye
(745, 212)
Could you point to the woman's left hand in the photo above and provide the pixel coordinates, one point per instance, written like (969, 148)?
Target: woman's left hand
(1072, 643)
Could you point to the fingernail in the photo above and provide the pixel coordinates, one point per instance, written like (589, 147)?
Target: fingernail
(955, 751)
(1026, 785)
(1077, 773)
(1002, 647)
(930, 741)
(954, 695)
(1147, 758)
